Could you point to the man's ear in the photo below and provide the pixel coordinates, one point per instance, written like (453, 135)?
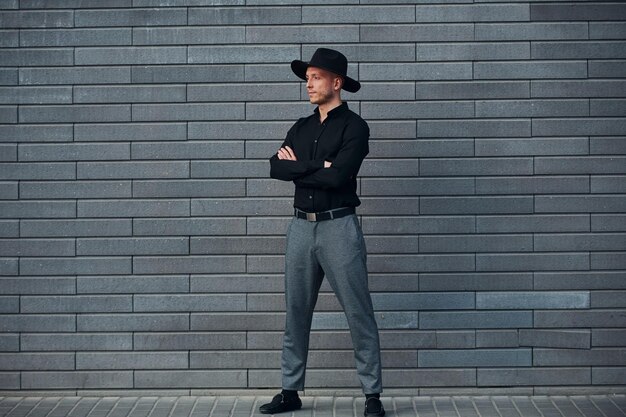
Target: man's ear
(338, 83)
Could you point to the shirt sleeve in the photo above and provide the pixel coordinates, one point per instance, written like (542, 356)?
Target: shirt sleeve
(345, 165)
(286, 170)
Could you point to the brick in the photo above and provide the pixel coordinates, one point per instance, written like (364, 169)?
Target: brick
(363, 14)
(532, 262)
(187, 73)
(8, 114)
(189, 188)
(188, 35)
(37, 57)
(133, 170)
(10, 380)
(61, 4)
(534, 300)
(37, 323)
(10, 305)
(131, 17)
(417, 32)
(607, 260)
(132, 284)
(531, 31)
(189, 302)
(475, 243)
(475, 319)
(471, 89)
(580, 126)
(75, 265)
(235, 321)
(300, 34)
(532, 223)
(416, 109)
(415, 71)
(75, 227)
(75, 37)
(35, 209)
(134, 322)
(10, 342)
(37, 19)
(580, 242)
(10, 228)
(130, 55)
(531, 108)
(37, 247)
(74, 189)
(475, 166)
(366, 52)
(510, 281)
(36, 361)
(233, 283)
(189, 341)
(530, 69)
(474, 357)
(606, 68)
(77, 379)
(9, 38)
(241, 207)
(237, 245)
(75, 303)
(243, 54)
(190, 379)
(607, 107)
(589, 318)
(608, 222)
(281, 111)
(576, 88)
(607, 337)
(476, 205)
(8, 152)
(188, 150)
(31, 133)
(8, 76)
(439, 148)
(29, 285)
(132, 208)
(421, 263)
(132, 246)
(531, 146)
(474, 51)
(601, 11)
(8, 191)
(573, 339)
(129, 94)
(39, 95)
(416, 225)
(238, 130)
(472, 13)
(230, 169)
(243, 92)
(75, 113)
(578, 357)
(131, 360)
(189, 226)
(532, 185)
(244, 15)
(37, 171)
(580, 203)
(607, 30)
(613, 375)
(264, 188)
(481, 128)
(397, 129)
(136, 131)
(416, 186)
(188, 264)
(188, 111)
(496, 338)
(73, 152)
(578, 50)
(73, 341)
(74, 75)
(10, 266)
(607, 299)
(523, 377)
(587, 280)
(455, 339)
(423, 301)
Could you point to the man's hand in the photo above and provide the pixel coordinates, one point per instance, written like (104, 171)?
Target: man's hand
(327, 164)
(286, 153)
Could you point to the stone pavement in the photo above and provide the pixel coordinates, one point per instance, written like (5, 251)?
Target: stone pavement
(319, 406)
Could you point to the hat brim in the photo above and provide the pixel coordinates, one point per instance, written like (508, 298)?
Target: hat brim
(299, 68)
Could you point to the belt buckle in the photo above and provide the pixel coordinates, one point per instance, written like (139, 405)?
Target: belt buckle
(311, 217)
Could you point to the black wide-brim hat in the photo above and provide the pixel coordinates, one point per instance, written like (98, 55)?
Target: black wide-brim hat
(330, 60)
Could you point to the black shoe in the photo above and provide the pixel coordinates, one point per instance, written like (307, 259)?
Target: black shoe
(373, 408)
(280, 403)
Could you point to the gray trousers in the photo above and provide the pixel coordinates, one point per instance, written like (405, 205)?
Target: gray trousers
(335, 249)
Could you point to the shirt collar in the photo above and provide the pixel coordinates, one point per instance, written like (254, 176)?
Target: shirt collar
(335, 111)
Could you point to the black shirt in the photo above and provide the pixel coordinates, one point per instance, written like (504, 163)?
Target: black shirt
(340, 139)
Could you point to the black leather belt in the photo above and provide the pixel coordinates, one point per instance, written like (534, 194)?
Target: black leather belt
(324, 215)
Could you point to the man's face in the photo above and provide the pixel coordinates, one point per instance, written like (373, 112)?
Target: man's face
(321, 85)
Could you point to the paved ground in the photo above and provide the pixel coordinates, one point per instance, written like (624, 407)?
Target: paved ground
(455, 406)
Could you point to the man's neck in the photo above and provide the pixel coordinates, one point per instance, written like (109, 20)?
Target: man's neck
(328, 106)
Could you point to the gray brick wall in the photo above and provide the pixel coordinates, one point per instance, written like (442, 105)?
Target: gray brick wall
(141, 238)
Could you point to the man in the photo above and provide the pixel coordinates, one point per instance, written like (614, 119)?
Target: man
(322, 155)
